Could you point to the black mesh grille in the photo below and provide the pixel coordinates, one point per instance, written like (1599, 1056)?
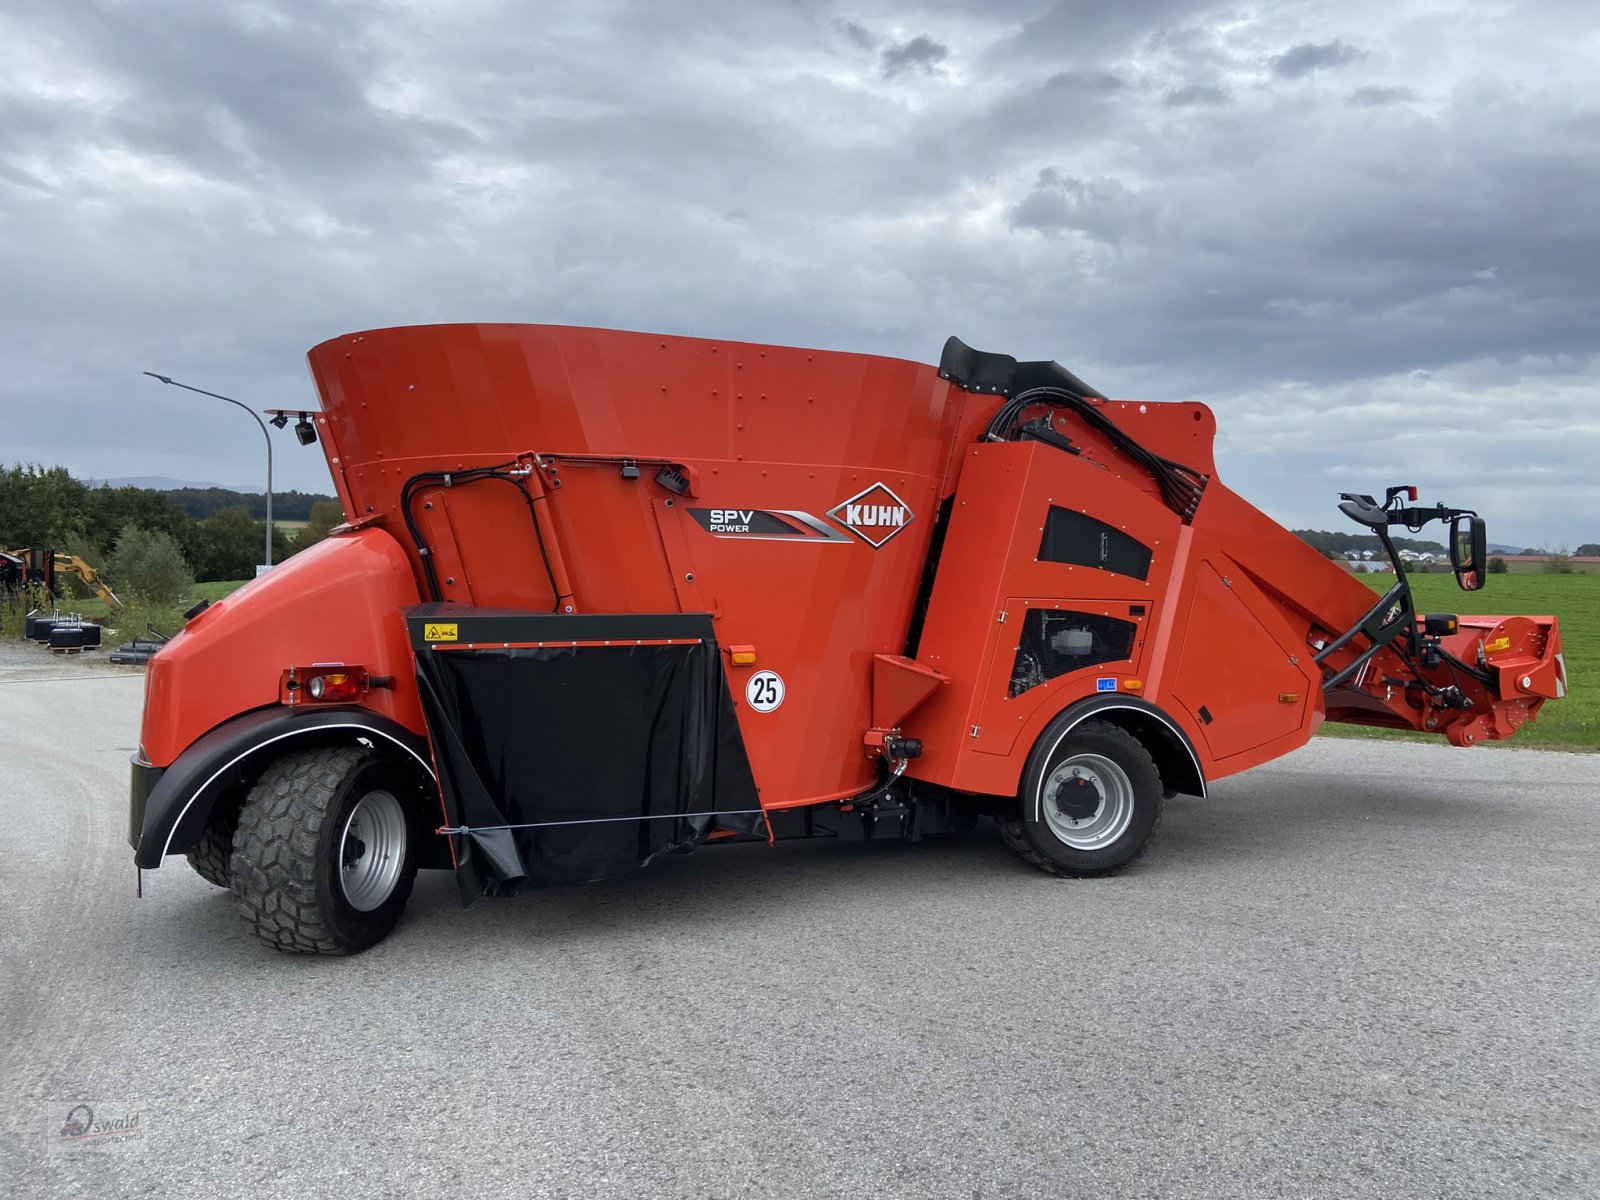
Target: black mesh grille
(1055, 642)
(1072, 537)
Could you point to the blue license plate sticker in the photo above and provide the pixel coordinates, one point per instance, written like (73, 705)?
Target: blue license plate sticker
(1105, 685)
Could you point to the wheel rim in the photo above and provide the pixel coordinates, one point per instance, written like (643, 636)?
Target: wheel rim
(1087, 802)
(372, 850)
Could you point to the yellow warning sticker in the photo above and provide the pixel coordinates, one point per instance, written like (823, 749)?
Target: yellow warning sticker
(1500, 643)
(439, 632)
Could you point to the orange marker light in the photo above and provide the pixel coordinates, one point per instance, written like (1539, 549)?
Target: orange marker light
(743, 656)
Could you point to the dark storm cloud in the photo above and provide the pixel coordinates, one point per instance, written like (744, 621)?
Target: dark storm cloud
(919, 54)
(1084, 32)
(1102, 209)
(1316, 232)
(244, 98)
(859, 34)
(1305, 58)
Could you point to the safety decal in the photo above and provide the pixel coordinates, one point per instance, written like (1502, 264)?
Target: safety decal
(764, 691)
(1105, 685)
(1500, 643)
(874, 515)
(434, 632)
(765, 525)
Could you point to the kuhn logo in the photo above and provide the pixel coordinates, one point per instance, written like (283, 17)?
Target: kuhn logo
(874, 515)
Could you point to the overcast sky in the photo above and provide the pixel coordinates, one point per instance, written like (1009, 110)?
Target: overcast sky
(1368, 234)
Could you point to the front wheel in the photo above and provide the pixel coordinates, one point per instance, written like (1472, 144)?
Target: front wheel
(1090, 801)
(213, 852)
(326, 850)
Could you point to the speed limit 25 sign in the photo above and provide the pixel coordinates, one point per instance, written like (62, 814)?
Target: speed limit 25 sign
(764, 691)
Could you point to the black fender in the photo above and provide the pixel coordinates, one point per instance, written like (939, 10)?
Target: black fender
(168, 806)
(1162, 736)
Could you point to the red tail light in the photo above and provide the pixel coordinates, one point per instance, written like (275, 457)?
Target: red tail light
(333, 683)
(338, 685)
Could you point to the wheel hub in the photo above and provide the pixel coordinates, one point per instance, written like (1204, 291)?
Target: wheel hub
(1086, 802)
(1078, 799)
(372, 850)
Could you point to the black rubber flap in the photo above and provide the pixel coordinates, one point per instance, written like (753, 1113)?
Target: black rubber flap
(583, 757)
(981, 371)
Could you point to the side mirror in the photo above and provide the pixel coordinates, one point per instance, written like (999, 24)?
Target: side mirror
(1468, 551)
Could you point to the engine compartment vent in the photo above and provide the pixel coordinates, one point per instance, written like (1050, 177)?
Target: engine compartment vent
(1079, 539)
(1058, 641)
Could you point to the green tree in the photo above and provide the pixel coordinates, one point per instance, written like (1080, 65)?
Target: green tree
(1558, 562)
(1589, 549)
(201, 503)
(148, 567)
(40, 506)
(325, 514)
(230, 544)
(1498, 566)
(108, 511)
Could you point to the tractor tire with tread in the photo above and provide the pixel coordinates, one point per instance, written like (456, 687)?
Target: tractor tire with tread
(213, 853)
(1120, 772)
(293, 848)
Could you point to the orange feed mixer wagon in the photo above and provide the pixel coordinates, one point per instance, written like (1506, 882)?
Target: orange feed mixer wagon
(601, 595)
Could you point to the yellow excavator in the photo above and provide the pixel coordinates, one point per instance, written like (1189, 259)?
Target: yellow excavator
(18, 568)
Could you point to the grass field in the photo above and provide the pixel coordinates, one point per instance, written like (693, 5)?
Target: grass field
(216, 591)
(1533, 568)
(1572, 723)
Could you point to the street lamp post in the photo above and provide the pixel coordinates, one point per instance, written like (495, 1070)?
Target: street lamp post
(264, 434)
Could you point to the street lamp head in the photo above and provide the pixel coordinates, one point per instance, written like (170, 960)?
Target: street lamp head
(162, 378)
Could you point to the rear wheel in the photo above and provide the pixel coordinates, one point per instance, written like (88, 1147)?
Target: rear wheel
(1090, 801)
(326, 850)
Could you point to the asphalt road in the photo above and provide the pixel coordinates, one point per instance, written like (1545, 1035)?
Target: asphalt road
(1365, 970)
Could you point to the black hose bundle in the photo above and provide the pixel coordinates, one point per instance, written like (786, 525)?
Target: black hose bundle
(1181, 486)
